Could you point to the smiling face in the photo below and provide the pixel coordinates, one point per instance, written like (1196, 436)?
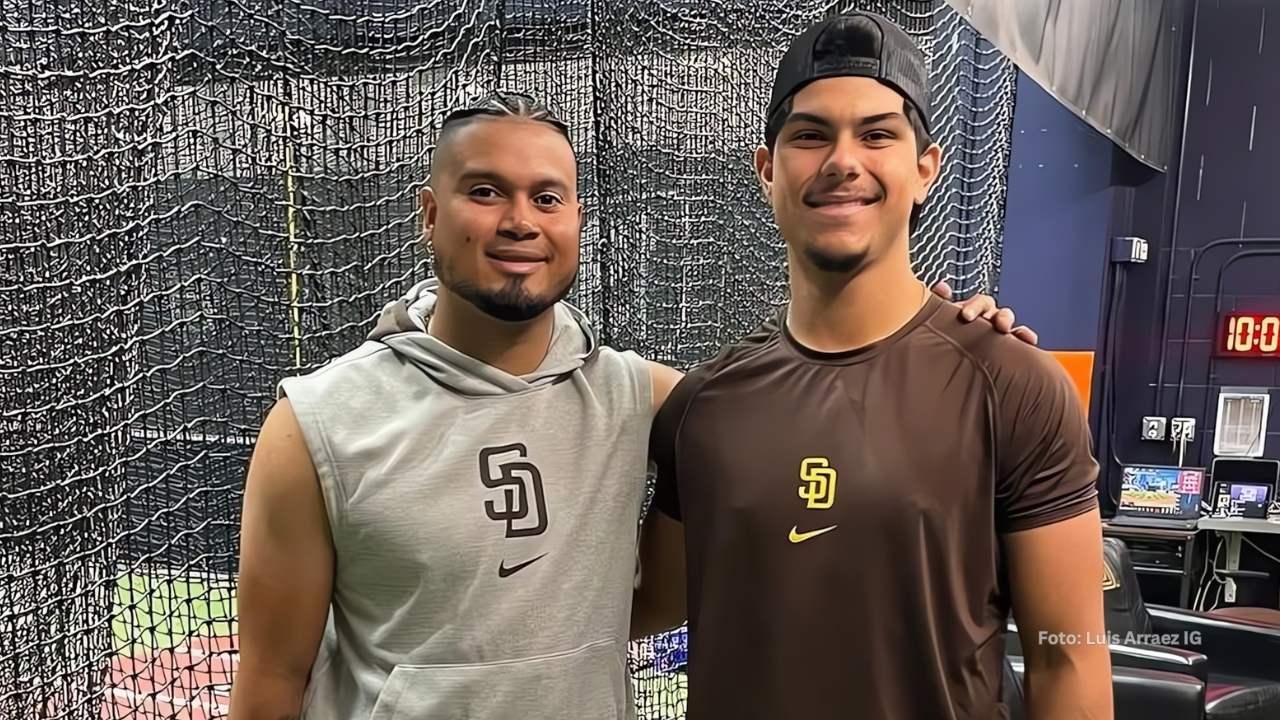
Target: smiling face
(845, 172)
(503, 217)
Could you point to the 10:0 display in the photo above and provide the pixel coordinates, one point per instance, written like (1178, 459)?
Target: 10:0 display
(1250, 334)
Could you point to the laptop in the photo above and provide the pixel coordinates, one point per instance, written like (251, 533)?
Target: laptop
(1160, 496)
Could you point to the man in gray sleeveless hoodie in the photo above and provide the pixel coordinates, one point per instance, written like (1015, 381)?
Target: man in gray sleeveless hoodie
(442, 523)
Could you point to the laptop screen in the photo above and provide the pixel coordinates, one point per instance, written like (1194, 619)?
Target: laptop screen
(1157, 491)
(1251, 499)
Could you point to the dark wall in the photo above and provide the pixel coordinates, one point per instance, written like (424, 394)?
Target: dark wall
(1056, 221)
(1071, 190)
(1227, 186)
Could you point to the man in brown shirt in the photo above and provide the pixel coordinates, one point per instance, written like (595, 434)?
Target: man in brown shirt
(866, 485)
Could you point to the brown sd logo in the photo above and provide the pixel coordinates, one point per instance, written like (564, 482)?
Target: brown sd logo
(506, 468)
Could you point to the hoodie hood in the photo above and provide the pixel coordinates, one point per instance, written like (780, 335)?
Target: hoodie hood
(402, 326)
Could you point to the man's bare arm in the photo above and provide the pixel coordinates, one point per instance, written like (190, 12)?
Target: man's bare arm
(660, 595)
(286, 573)
(1055, 574)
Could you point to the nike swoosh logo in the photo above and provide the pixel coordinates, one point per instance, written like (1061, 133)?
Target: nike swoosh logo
(799, 537)
(504, 571)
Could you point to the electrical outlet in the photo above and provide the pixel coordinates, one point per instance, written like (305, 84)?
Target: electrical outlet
(1182, 428)
(1129, 250)
(1153, 428)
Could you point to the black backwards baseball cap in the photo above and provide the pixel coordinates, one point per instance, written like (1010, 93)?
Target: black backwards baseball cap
(862, 44)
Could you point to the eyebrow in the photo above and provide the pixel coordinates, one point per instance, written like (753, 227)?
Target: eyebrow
(823, 122)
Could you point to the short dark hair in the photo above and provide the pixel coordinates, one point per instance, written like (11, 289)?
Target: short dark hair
(923, 139)
(502, 105)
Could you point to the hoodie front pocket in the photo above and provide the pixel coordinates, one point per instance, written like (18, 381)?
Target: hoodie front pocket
(588, 682)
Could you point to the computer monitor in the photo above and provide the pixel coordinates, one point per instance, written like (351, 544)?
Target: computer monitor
(1249, 471)
(1161, 491)
(1250, 499)
(1248, 485)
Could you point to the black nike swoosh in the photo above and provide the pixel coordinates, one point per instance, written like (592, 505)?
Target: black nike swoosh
(504, 571)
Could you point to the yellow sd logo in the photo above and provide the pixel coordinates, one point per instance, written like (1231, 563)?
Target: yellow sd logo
(818, 483)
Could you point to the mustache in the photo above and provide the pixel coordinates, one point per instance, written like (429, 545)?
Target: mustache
(815, 196)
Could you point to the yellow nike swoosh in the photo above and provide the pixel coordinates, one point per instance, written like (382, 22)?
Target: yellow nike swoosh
(799, 537)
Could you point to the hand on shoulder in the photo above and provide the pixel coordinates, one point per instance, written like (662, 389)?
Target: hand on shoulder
(984, 306)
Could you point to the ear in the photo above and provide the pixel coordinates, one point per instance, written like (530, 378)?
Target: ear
(764, 172)
(430, 209)
(929, 166)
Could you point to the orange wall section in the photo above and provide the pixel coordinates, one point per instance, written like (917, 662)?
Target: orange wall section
(1079, 366)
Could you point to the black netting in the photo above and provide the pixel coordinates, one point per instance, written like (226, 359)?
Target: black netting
(198, 197)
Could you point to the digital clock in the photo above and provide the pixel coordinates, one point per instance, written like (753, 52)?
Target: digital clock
(1250, 335)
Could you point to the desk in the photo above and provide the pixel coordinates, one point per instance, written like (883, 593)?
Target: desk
(1233, 529)
(1180, 543)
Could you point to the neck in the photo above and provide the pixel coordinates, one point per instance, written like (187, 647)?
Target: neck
(516, 348)
(831, 312)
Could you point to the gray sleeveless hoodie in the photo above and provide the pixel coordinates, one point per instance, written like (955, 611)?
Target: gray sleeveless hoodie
(484, 525)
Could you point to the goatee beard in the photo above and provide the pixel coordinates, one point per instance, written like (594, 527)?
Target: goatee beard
(510, 303)
(844, 264)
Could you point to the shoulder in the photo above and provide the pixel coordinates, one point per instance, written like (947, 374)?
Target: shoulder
(654, 378)
(732, 359)
(663, 380)
(1005, 361)
(618, 374)
(354, 372)
(682, 390)
(364, 355)
(759, 346)
(1034, 404)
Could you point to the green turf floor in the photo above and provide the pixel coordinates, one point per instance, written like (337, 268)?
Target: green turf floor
(155, 613)
(159, 613)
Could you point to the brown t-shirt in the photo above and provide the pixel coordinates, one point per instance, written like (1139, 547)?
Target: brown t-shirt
(843, 515)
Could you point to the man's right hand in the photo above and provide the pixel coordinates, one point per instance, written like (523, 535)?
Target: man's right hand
(286, 573)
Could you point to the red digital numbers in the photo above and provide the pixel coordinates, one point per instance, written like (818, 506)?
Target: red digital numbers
(1250, 334)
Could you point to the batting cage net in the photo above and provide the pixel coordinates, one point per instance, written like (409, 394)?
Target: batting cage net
(200, 197)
